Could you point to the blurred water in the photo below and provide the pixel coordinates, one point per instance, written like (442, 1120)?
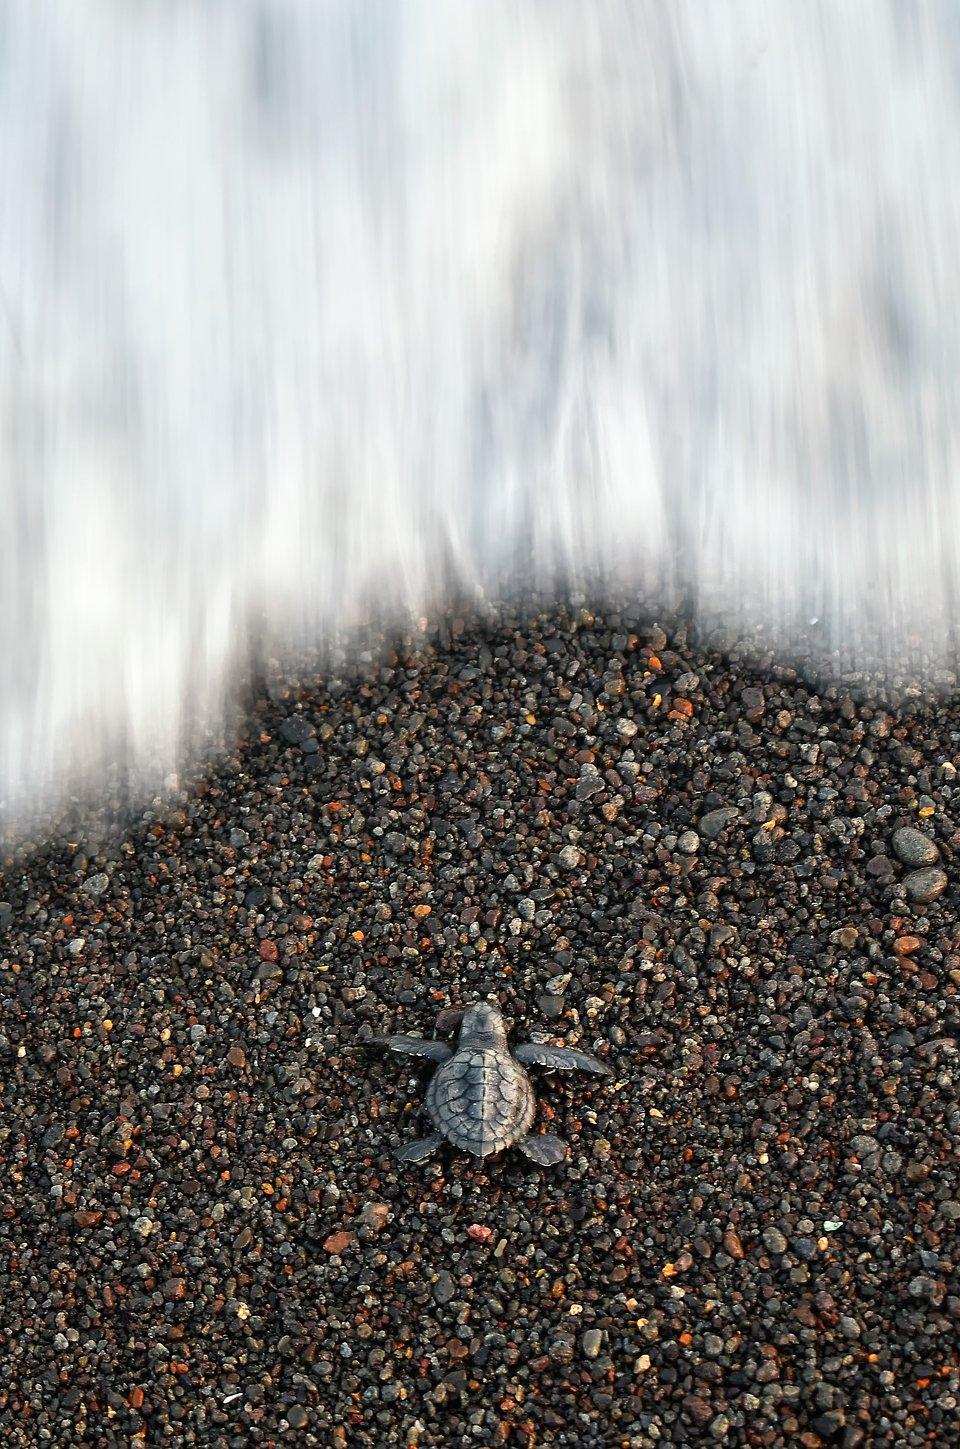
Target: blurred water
(311, 308)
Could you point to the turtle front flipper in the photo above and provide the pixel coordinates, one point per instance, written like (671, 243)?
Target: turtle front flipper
(559, 1059)
(415, 1046)
(422, 1148)
(543, 1148)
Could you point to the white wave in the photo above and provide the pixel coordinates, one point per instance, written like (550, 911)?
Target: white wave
(307, 309)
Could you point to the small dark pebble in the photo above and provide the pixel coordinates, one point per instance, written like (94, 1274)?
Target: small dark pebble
(753, 703)
(296, 730)
(715, 821)
(550, 1006)
(443, 1288)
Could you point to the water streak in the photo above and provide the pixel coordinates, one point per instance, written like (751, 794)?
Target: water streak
(307, 309)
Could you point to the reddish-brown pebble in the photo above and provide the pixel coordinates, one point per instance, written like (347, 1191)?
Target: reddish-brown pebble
(338, 1242)
(732, 1243)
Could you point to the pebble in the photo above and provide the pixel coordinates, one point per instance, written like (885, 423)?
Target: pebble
(914, 848)
(753, 703)
(866, 1148)
(444, 1288)
(732, 1243)
(296, 730)
(337, 1242)
(592, 1342)
(375, 1215)
(550, 1006)
(926, 885)
(686, 683)
(716, 821)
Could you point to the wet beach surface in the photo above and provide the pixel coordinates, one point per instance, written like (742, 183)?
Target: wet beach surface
(739, 889)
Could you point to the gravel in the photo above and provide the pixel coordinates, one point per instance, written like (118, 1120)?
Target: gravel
(204, 1236)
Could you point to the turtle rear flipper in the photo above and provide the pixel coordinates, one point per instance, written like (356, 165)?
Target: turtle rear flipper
(415, 1046)
(420, 1149)
(542, 1147)
(559, 1059)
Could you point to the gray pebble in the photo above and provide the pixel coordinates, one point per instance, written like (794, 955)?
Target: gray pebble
(865, 1147)
(551, 1006)
(716, 821)
(295, 730)
(774, 1241)
(914, 848)
(926, 885)
(444, 1288)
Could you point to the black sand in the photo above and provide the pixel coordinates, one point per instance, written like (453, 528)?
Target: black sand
(204, 1238)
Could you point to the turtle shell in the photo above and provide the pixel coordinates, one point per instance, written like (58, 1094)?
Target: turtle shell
(481, 1100)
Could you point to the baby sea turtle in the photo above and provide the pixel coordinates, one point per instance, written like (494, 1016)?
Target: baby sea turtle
(481, 1099)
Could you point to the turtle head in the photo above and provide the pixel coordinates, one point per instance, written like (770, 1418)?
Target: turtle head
(483, 1026)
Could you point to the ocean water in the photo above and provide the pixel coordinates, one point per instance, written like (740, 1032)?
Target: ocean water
(312, 309)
